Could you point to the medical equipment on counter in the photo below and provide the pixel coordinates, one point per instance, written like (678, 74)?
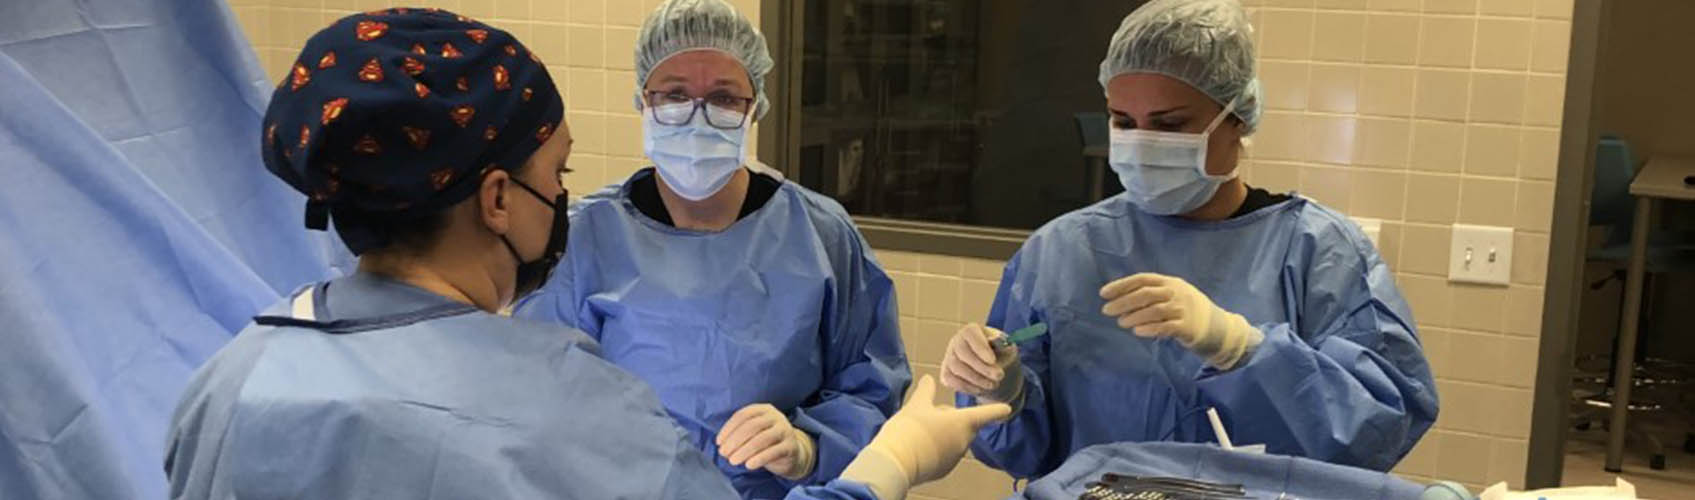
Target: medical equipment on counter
(1190, 466)
(1115, 487)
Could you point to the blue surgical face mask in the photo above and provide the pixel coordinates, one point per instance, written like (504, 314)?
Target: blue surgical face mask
(1164, 173)
(696, 160)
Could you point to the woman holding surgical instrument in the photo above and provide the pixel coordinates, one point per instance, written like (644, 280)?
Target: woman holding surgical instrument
(751, 304)
(1192, 290)
(436, 145)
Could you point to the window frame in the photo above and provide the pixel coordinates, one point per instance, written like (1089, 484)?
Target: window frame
(779, 147)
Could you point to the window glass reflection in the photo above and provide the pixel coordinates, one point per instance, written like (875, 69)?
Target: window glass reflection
(958, 111)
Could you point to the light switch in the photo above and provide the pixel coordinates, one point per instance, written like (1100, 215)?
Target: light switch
(1373, 229)
(1481, 254)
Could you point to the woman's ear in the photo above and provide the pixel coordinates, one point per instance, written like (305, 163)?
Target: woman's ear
(492, 206)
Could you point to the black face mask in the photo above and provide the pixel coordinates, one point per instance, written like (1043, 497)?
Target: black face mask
(533, 274)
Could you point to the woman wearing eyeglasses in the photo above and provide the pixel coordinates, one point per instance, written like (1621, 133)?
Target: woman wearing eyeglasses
(751, 304)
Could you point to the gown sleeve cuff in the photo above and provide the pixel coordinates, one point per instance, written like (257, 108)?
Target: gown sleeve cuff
(879, 472)
(1240, 350)
(1271, 337)
(1229, 341)
(831, 449)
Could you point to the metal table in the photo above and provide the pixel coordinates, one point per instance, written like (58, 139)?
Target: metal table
(1661, 178)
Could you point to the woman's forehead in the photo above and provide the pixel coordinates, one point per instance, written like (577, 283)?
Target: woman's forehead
(709, 66)
(1145, 92)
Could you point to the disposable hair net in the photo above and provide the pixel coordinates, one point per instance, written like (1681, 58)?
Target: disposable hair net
(684, 25)
(1207, 44)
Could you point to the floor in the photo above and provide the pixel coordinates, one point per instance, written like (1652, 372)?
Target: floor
(1586, 453)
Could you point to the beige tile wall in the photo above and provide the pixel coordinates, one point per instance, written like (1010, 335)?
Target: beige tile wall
(1422, 113)
(1449, 114)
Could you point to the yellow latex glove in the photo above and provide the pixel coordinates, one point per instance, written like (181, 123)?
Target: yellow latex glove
(974, 365)
(1153, 305)
(921, 443)
(759, 436)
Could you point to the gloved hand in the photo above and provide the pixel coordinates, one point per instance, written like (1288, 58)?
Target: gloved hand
(921, 443)
(759, 436)
(974, 365)
(1153, 305)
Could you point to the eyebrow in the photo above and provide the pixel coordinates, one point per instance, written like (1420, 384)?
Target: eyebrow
(1155, 114)
(721, 82)
(1167, 111)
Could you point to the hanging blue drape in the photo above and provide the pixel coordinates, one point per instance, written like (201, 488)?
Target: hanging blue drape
(138, 231)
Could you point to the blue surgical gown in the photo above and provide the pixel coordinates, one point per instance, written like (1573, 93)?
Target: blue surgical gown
(405, 394)
(1340, 376)
(395, 392)
(786, 307)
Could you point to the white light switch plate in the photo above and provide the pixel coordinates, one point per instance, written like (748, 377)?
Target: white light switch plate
(1373, 229)
(1481, 254)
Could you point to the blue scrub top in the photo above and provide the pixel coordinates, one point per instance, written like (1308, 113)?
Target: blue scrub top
(787, 307)
(1340, 377)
